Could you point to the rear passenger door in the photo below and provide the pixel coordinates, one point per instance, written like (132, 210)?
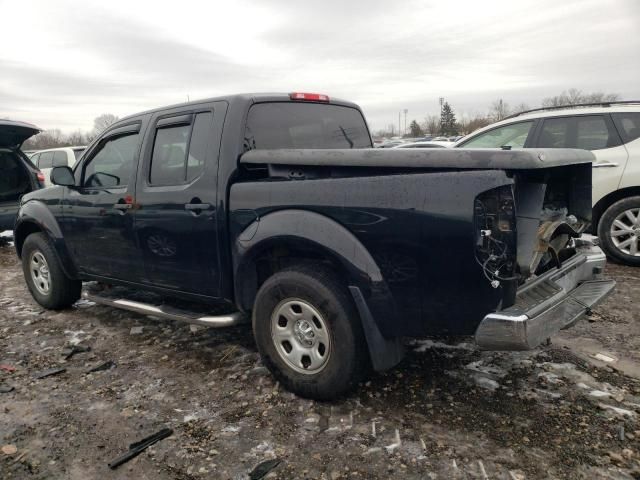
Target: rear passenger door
(176, 196)
(595, 133)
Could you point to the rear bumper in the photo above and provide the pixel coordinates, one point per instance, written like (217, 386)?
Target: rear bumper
(551, 302)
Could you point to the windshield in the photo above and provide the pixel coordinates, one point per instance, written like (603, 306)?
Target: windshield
(305, 125)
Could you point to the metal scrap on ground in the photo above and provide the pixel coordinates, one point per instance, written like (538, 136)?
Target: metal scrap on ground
(137, 447)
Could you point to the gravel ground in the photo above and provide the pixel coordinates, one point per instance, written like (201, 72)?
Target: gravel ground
(450, 411)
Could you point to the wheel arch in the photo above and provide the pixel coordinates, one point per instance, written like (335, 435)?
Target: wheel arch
(605, 202)
(35, 217)
(263, 249)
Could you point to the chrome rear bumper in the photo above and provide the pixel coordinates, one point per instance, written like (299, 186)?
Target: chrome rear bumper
(551, 302)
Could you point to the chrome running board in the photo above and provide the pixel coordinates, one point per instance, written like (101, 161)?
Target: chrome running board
(167, 311)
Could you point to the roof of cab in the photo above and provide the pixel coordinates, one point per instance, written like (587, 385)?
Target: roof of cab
(242, 98)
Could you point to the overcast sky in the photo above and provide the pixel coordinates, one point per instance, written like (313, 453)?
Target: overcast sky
(62, 63)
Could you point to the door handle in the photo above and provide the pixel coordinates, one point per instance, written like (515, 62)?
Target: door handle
(604, 165)
(197, 206)
(122, 206)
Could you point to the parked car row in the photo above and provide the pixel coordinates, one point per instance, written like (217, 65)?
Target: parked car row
(418, 142)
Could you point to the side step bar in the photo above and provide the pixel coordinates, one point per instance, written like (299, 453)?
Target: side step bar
(226, 320)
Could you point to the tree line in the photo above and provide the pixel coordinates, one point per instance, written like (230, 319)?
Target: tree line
(446, 124)
(55, 138)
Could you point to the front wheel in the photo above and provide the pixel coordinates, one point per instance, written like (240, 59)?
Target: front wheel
(619, 231)
(46, 280)
(308, 332)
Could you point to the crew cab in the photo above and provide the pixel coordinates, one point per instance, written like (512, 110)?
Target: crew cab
(276, 208)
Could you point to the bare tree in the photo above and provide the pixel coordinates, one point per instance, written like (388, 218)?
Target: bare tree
(469, 125)
(573, 96)
(521, 107)
(499, 110)
(101, 123)
(431, 125)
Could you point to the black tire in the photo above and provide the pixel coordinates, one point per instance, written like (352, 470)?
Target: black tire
(348, 355)
(63, 291)
(604, 231)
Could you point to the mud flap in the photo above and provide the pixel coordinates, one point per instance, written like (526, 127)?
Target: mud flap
(385, 353)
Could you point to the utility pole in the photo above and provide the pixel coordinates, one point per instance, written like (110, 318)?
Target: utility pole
(405, 120)
(399, 124)
(441, 100)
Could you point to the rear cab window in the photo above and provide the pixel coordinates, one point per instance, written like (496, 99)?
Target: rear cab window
(275, 125)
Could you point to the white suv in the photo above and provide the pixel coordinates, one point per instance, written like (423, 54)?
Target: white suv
(612, 132)
(45, 160)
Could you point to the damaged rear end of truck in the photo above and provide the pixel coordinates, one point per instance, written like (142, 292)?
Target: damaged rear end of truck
(466, 242)
(529, 244)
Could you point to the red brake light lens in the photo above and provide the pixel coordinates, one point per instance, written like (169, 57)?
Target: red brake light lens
(40, 176)
(309, 97)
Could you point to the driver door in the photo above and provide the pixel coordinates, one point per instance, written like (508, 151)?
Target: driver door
(98, 213)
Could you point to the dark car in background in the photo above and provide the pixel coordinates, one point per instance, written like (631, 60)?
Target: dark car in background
(18, 175)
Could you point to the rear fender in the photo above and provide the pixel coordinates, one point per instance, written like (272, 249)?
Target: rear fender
(328, 238)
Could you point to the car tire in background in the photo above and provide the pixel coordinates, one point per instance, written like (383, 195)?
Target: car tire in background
(43, 273)
(308, 332)
(619, 231)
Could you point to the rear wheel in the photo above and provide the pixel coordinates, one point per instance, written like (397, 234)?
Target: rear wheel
(308, 332)
(619, 231)
(46, 280)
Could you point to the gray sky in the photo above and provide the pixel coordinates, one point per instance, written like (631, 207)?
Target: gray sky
(65, 62)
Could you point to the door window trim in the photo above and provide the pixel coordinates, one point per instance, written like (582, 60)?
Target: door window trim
(169, 120)
(134, 127)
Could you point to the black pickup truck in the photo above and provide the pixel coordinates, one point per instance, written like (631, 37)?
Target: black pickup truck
(276, 208)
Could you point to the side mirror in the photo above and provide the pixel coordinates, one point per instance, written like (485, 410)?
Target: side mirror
(62, 176)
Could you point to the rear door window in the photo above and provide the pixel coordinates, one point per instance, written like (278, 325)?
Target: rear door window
(45, 160)
(179, 151)
(628, 124)
(305, 125)
(587, 132)
(513, 135)
(591, 133)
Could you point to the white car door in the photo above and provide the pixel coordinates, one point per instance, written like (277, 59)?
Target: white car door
(595, 133)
